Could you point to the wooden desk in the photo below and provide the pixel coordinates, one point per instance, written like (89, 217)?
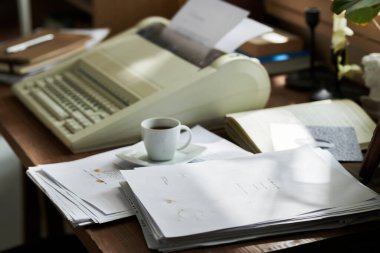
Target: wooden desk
(34, 144)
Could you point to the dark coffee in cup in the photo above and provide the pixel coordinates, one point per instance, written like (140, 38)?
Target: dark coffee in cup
(161, 127)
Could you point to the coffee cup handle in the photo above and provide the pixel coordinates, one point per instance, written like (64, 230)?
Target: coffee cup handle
(186, 129)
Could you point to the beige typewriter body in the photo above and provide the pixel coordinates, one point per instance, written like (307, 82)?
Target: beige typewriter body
(98, 99)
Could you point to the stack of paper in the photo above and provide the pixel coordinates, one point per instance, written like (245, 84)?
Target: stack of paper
(85, 190)
(88, 190)
(223, 201)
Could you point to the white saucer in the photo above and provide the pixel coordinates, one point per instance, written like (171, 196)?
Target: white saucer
(138, 155)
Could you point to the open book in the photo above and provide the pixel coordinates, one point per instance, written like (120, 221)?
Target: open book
(251, 129)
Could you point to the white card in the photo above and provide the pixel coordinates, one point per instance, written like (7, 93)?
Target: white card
(289, 136)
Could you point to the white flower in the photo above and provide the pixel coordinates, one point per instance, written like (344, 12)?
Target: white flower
(349, 71)
(340, 32)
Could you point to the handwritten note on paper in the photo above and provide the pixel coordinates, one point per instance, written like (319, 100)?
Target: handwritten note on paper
(205, 20)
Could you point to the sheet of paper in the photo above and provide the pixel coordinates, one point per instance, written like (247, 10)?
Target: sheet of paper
(79, 177)
(216, 148)
(245, 30)
(288, 136)
(70, 203)
(205, 20)
(69, 209)
(201, 197)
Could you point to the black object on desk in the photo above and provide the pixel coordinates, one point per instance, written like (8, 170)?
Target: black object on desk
(312, 20)
(306, 79)
(312, 78)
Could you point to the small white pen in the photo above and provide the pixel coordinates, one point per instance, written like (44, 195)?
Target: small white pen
(24, 45)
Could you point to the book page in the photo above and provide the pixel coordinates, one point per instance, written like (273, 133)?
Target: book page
(344, 113)
(257, 125)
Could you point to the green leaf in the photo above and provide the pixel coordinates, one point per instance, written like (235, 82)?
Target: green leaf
(363, 15)
(338, 6)
(361, 11)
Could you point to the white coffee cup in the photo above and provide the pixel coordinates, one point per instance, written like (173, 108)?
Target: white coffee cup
(161, 136)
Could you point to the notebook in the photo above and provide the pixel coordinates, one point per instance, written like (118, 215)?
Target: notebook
(61, 46)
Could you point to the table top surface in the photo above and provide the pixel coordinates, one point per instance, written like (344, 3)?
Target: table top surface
(34, 144)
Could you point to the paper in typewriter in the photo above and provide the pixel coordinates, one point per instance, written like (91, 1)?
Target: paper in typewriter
(200, 33)
(205, 21)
